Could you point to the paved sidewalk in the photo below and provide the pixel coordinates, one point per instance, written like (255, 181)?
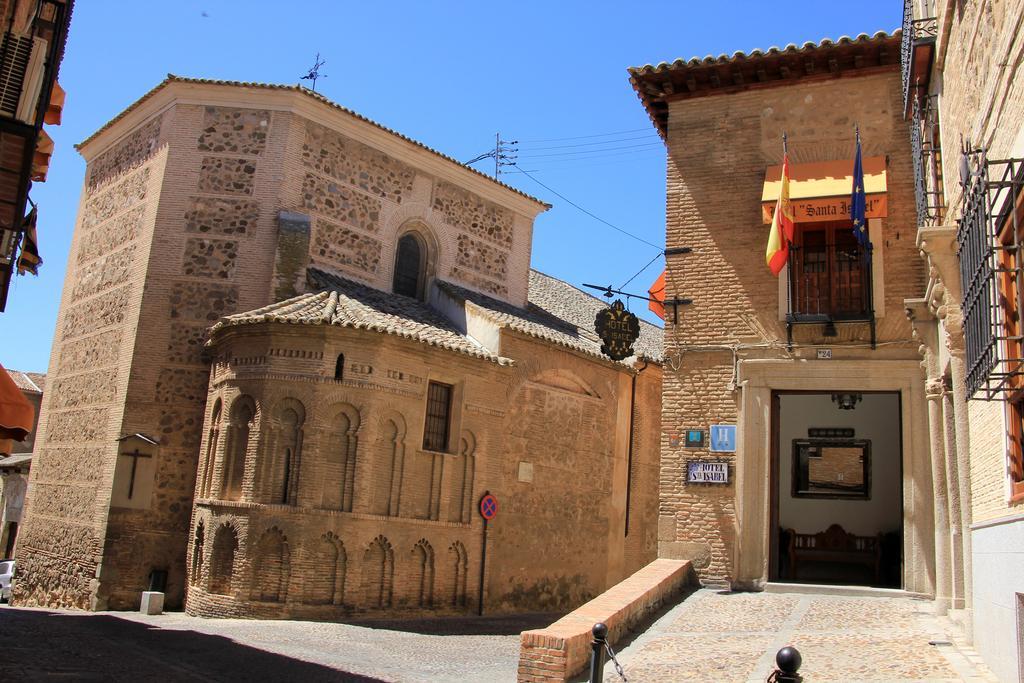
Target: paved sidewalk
(40, 644)
(724, 637)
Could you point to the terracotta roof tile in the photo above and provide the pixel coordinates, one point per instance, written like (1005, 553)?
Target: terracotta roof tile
(557, 312)
(32, 382)
(739, 55)
(346, 303)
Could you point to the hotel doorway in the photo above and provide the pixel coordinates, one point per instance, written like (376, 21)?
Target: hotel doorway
(837, 488)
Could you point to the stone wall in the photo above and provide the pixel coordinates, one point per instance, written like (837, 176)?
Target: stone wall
(982, 102)
(60, 548)
(719, 149)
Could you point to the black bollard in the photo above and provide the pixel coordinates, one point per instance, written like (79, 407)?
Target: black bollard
(600, 632)
(787, 661)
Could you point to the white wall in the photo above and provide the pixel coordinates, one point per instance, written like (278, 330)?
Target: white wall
(876, 418)
(998, 554)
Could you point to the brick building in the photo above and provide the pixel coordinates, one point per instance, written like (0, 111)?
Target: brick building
(381, 354)
(964, 99)
(818, 369)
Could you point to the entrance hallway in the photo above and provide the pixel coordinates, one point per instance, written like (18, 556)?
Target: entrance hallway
(733, 637)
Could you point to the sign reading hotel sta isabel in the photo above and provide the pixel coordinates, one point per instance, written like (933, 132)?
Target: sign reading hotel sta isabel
(618, 329)
(827, 208)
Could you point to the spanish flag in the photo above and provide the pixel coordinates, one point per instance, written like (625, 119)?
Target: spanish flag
(656, 302)
(782, 231)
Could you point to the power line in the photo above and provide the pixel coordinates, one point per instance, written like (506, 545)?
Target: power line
(596, 135)
(641, 270)
(648, 145)
(601, 160)
(594, 216)
(602, 142)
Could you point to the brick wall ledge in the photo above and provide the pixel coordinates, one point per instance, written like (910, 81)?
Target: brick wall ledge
(562, 650)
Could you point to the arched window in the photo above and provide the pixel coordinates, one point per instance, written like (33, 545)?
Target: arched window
(339, 367)
(409, 266)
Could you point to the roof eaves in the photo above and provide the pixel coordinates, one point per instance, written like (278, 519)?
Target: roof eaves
(172, 78)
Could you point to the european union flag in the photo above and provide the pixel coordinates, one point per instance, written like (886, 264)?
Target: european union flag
(858, 205)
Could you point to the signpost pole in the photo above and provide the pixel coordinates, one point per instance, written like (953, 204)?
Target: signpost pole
(483, 563)
(488, 509)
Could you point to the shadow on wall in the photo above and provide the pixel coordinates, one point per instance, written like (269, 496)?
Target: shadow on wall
(41, 644)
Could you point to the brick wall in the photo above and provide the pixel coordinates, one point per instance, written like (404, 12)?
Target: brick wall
(719, 149)
(359, 518)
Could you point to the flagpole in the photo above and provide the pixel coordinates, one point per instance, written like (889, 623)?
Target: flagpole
(789, 262)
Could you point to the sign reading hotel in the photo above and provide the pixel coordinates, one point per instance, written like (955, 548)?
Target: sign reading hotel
(618, 329)
(707, 472)
(821, 191)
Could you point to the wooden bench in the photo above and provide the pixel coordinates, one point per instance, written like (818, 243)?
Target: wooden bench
(835, 545)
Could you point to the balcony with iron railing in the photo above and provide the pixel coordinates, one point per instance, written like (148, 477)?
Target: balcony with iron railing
(927, 158)
(917, 50)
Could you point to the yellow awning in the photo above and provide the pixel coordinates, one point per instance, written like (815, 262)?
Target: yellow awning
(824, 179)
(821, 191)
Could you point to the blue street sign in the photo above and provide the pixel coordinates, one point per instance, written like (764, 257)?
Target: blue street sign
(723, 438)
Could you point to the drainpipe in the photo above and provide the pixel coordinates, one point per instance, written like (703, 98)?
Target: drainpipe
(629, 456)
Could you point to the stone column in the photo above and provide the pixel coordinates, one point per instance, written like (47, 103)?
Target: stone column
(926, 331)
(953, 492)
(952, 317)
(934, 392)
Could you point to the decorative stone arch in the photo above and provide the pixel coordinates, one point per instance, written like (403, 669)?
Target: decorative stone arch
(462, 468)
(428, 252)
(198, 549)
(456, 570)
(212, 449)
(378, 574)
(385, 470)
(243, 422)
(271, 566)
(339, 455)
(222, 559)
(284, 451)
(325, 585)
(565, 380)
(421, 580)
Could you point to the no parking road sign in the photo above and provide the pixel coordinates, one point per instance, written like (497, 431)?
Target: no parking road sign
(488, 507)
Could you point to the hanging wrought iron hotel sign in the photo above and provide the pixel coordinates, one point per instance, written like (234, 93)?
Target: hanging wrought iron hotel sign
(618, 329)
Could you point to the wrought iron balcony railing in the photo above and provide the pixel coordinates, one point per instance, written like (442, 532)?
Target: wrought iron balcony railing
(927, 156)
(917, 33)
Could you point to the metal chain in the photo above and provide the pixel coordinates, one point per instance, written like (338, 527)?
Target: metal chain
(618, 667)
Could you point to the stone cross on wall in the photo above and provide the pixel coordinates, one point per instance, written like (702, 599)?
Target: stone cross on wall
(134, 455)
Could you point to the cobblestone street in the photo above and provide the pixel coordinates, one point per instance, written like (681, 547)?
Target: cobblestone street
(714, 637)
(123, 646)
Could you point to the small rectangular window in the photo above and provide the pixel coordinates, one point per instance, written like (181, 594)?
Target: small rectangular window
(439, 410)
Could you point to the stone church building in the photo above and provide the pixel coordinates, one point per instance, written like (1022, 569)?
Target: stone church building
(294, 350)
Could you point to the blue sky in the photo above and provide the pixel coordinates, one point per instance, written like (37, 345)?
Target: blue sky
(449, 74)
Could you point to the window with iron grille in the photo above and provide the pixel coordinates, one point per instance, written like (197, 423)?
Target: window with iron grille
(990, 238)
(438, 424)
(830, 277)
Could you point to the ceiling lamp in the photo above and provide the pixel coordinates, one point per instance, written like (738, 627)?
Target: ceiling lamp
(847, 401)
